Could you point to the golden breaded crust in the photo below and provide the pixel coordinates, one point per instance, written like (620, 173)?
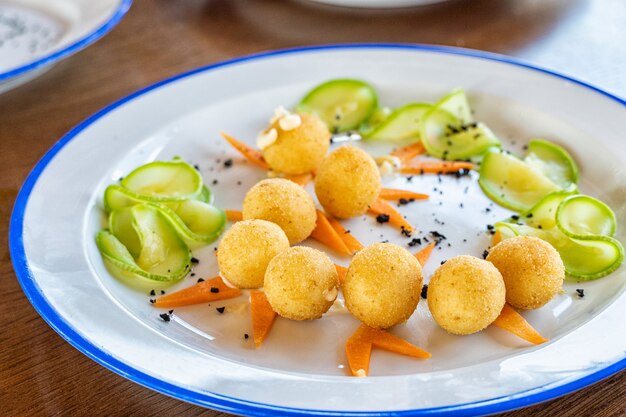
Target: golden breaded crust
(247, 248)
(532, 269)
(347, 182)
(466, 294)
(301, 283)
(383, 284)
(300, 150)
(282, 202)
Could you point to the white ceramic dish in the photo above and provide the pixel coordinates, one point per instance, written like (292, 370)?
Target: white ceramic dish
(202, 356)
(34, 34)
(378, 4)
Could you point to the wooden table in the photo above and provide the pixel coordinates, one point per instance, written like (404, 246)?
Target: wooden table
(41, 374)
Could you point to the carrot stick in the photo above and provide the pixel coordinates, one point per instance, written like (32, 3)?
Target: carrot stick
(423, 255)
(202, 292)
(300, 179)
(351, 242)
(359, 351)
(341, 271)
(325, 234)
(249, 153)
(497, 238)
(409, 152)
(393, 194)
(380, 206)
(435, 167)
(233, 215)
(262, 317)
(359, 348)
(511, 321)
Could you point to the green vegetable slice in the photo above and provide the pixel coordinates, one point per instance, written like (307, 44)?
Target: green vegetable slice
(583, 259)
(164, 181)
(543, 214)
(456, 104)
(511, 182)
(553, 161)
(403, 123)
(582, 217)
(150, 240)
(444, 137)
(378, 116)
(117, 197)
(196, 222)
(342, 104)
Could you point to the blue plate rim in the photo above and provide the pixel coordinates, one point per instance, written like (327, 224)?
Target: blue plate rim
(72, 48)
(234, 405)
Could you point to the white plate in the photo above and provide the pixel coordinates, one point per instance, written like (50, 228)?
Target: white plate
(34, 34)
(202, 357)
(378, 4)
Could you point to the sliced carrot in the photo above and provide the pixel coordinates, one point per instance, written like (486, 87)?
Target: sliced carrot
(497, 238)
(393, 194)
(341, 271)
(380, 206)
(409, 152)
(511, 321)
(359, 351)
(233, 215)
(262, 317)
(351, 242)
(359, 348)
(202, 292)
(435, 167)
(300, 179)
(249, 153)
(325, 234)
(423, 255)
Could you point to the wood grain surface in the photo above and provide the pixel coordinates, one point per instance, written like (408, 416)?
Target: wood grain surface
(40, 373)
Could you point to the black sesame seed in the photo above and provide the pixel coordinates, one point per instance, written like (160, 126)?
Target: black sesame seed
(200, 280)
(162, 292)
(424, 293)
(152, 292)
(228, 163)
(220, 309)
(515, 217)
(152, 301)
(245, 336)
(382, 218)
(215, 290)
(195, 260)
(197, 167)
(442, 262)
(214, 182)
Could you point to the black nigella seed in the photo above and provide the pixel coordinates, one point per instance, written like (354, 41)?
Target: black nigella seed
(220, 309)
(415, 241)
(162, 292)
(165, 317)
(228, 163)
(485, 254)
(424, 293)
(490, 227)
(152, 292)
(580, 292)
(382, 218)
(245, 336)
(529, 215)
(195, 260)
(515, 217)
(215, 290)
(200, 280)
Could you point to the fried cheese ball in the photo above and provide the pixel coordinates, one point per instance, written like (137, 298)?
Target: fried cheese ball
(466, 294)
(297, 148)
(301, 283)
(282, 202)
(347, 182)
(246, 249)
(383, 284)
(532, 269)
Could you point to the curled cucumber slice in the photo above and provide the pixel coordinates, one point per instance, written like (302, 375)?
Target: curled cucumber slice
(511, 182)
(581, 217)
(444, 137)
(553, 161)
(196, 222)
(543, 214)
(402, 124)
(456, 104)
(342, 104)
(164, 181)
(117, 197)
(144, 242)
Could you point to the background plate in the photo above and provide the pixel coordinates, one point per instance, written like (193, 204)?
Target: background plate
(202, 357)
(34, 34)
